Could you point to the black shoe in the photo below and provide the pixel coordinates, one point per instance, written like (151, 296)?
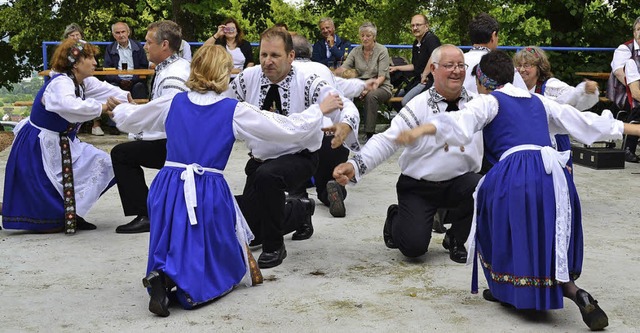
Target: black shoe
(487, 295)
(272, 259)
(81, 224)
(159, 302)
(297, 195)
(306, 227)
(139, 224)
(336, 199)
(630, 157)
(592, 314)
(392, 211)
(457, 252)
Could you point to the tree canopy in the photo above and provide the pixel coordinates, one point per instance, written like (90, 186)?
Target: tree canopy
(25, 24)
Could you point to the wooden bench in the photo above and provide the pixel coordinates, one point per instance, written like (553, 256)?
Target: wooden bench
(23, 103)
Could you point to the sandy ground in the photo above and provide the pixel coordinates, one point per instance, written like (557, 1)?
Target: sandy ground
(343, 279)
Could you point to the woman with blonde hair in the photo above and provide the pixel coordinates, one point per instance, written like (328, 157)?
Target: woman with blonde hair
(199, 238)
(52, 179)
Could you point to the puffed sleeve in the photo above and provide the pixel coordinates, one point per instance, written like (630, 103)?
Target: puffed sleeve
(101, 90)
(252, 124)
(458, 128)
(566, 94)
(135, 118)
(586, 127)
(60, 97)
(349, 114)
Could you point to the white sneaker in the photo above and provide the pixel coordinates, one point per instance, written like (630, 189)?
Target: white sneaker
(97, 131)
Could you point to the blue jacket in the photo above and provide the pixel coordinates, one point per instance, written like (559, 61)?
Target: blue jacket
(112, 59)
(337, 51)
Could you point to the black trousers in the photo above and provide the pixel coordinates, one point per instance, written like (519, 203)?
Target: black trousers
(634, 115)
(263, 200)
(128, 159)
(418, 201)
(329, 159)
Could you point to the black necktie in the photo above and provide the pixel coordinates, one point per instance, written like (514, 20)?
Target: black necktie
(272, 100)
(452, 105)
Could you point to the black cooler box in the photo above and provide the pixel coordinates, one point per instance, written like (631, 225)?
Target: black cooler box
(598, 156)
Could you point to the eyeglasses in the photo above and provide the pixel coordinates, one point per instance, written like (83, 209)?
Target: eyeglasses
(416, 25)
(525, 66)
(452, 67)
(229, 29)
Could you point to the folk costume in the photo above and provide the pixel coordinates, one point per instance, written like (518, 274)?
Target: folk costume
(51, 175)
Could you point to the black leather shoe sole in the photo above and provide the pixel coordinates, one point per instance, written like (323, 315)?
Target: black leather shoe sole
(336, 201)
(159, 302)
(272, 259)
(592, 314)
(386, 231)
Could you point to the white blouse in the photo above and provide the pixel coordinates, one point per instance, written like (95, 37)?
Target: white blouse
(586, 127)
(265, 133)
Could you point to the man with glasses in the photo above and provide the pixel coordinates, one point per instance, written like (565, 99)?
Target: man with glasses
(483, 31)
(426, 41)
(434, 174)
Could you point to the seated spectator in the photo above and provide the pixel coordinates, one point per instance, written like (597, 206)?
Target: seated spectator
(370, 60)
(331, 48)
(74, 31)
(126, 53)
(426, 41)
(231, 36)
(623, 87)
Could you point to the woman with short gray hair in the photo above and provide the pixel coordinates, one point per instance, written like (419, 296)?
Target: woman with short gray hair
(370, 60)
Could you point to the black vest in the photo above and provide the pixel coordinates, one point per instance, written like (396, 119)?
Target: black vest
(618, 92)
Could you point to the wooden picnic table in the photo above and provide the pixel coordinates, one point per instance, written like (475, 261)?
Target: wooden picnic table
(597, 76)
(141, 72)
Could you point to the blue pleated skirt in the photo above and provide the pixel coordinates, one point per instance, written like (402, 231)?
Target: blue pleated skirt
(516, 232)
(205, 260)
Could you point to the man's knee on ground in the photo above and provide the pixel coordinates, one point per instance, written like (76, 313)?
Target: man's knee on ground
(413, 250)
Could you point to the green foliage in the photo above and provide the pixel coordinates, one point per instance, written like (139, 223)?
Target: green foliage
(523, 22)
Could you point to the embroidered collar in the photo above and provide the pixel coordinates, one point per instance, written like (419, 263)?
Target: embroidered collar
(436, 97)
(284, 84)
(166, 62)
(480, 48)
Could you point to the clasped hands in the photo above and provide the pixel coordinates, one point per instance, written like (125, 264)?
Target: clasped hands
(112, 102)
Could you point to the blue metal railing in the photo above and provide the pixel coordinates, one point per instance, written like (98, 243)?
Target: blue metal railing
(45, 56)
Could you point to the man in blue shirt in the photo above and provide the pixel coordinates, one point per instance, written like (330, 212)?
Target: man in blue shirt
(330, 49)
